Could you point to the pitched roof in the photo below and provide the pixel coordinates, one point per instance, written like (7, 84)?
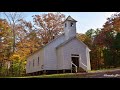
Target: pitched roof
(66, 41)
(70, 40)
(46, 45)
(69, 18)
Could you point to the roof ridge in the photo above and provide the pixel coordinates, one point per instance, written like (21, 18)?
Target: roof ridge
(45, 45)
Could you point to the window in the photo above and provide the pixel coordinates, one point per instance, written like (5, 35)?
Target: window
(38, 61)
(53, 36)
(65, 25)
(42, 66)
(33, 62)
(29, 64)
(71, 24)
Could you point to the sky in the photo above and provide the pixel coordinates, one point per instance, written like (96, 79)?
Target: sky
(85, 20)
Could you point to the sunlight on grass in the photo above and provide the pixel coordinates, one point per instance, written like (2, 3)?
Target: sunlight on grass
(90, 74)
(68, 75)
(65, 75)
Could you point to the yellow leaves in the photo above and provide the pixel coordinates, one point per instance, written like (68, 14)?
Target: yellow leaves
(15, 57)
(4, 28)
(81, 37)
(5, 40)
(1, 33)
(4, 25)
(48, 25)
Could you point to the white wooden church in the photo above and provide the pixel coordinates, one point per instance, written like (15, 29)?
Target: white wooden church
(64, 53)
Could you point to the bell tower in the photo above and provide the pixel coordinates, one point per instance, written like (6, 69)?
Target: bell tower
(69, 27)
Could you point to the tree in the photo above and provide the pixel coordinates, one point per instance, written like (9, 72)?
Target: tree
(48, 25)
(32, 36)
(5, 39)
(116, 48)
(5, 45)
(96, 55)
(13, 18)
(27, 37)
(18, 65)
(90, 33)
(84, 38)
(109, 39)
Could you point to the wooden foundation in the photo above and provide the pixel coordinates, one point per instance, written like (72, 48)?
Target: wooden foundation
(50, 72)
(44, 72)
(63, 71)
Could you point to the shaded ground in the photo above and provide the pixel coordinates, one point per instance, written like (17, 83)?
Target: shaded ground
(105, 74)
(92, 74)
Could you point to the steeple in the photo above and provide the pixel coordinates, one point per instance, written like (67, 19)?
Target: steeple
(69, 18)
(69, 27)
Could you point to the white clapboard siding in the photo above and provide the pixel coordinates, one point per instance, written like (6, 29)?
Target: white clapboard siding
(30, 69)
(74, 47)
(50, 54)
(56, 55)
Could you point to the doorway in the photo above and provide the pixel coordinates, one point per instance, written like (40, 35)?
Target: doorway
(75, 60)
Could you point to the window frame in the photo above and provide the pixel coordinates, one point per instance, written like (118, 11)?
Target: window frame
(33, 62)
(38, 61)
(71, 24)
(29, 64)
(65, 24)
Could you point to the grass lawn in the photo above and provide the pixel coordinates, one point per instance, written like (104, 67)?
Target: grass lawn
(90, 74)
(65, 75)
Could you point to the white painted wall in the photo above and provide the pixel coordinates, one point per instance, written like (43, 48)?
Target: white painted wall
(48, 57)
(60, 58)
(88, 58)
(30, 69)
(54, 59)
(75, 47)
(70, 31)
(50, 54)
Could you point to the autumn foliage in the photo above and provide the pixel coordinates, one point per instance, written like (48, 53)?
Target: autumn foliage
(109, 40)
(20, 38)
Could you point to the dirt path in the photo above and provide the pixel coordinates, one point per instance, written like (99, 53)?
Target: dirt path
(105, 74)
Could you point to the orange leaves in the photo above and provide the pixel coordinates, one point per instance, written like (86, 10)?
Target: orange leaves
(82, 37)
(109, 30)
(48, 25)
(26, 37)
(113, 23)
(3, 26)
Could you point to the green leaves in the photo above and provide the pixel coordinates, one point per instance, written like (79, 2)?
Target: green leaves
(109, 38)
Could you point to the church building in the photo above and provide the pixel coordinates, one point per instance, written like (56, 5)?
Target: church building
(64, 53)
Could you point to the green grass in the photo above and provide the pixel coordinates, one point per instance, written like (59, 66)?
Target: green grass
(68, 75)
(65, 75)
